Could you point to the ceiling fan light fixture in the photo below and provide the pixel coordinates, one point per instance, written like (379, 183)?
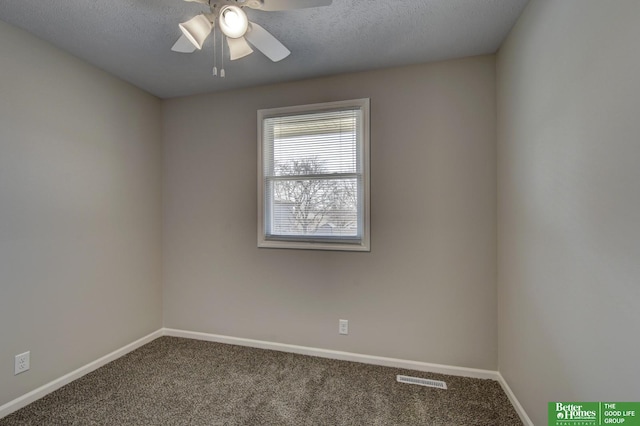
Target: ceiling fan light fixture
(196, 30)
(233, 21)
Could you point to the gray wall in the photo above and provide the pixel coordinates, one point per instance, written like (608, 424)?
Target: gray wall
(80, 208)
(569, 203)
(427, 290)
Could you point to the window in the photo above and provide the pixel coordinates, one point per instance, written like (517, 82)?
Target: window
(313, 176)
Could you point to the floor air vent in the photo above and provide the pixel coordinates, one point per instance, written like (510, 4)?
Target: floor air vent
(422, 382)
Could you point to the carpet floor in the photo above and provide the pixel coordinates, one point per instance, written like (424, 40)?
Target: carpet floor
(176, 381)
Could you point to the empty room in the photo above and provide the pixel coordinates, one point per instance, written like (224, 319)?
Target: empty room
(319, 212)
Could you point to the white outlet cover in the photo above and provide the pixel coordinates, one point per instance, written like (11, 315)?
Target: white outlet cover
(22, 363)
(343, 326)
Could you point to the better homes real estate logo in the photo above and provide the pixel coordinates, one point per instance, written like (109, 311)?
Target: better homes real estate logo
(574, 413)
(594, 413)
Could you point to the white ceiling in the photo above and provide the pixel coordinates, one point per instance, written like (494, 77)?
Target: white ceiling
(132, 38)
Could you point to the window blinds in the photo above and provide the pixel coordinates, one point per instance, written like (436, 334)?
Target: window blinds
(312, 175)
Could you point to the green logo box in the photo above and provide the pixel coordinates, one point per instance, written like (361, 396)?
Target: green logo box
(594, 413)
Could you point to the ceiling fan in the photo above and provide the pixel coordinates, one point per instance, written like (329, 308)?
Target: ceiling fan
(239, 32)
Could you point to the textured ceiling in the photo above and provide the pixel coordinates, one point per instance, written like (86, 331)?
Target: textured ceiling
(132, 38)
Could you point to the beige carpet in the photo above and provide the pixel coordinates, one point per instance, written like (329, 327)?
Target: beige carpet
(174, 381)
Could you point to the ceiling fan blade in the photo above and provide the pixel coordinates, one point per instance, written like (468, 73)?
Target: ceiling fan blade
(183, 45)
(265, 42)
(238, 48)
(198, 1)
(270, 5)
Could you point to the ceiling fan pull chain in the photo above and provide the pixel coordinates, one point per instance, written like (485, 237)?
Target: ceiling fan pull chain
(215, 57)
(222, 73)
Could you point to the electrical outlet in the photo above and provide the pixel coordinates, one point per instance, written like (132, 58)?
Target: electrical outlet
(343, 326)
(22, 363)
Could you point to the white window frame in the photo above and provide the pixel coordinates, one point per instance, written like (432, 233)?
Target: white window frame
(306, 242)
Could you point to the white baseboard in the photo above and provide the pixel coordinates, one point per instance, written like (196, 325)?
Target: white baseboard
(38, 393)
(343, 356)
(516, 404)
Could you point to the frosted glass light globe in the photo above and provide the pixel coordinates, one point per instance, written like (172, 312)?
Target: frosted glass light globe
(233, 21)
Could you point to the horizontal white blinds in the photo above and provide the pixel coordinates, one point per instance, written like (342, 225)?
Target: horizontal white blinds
(313, 175)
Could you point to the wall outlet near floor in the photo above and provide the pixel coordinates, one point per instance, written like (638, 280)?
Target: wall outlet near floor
(22, 363)
(343, 326)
